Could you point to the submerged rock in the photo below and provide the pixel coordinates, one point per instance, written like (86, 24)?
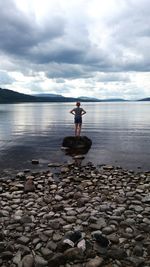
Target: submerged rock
(77, 144)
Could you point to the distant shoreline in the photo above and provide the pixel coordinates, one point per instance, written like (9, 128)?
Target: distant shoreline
(8, 96)
(72, 101)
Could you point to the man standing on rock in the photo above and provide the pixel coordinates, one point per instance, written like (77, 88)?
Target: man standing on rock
(78, 113)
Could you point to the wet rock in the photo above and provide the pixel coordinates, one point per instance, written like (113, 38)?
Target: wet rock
(35, 161)
(73, 142)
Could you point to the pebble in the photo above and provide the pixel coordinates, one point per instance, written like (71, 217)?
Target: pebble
(107, 208)
(96, 262)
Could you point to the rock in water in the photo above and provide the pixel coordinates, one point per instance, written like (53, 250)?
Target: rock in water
(77, 143)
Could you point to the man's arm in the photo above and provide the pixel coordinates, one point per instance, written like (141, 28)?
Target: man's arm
(83, 112)
(72, 111)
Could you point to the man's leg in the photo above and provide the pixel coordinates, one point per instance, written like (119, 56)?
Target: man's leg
(76, 129)
(79, 128)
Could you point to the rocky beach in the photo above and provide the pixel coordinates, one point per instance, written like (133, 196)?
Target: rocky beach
(86, 216)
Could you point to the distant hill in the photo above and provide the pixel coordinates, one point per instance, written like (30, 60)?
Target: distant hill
(10, 96)
(145, 99)
(89, 98)
(114, 100)
(48, 95)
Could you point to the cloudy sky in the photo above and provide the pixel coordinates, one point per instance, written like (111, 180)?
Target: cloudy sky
(76, 47)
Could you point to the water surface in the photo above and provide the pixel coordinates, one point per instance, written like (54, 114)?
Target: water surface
(120, 133)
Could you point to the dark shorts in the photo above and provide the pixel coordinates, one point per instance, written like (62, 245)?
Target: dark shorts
(78, 120)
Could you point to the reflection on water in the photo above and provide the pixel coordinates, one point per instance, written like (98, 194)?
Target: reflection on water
(119, 132)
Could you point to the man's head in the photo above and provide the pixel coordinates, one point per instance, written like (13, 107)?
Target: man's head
(78, 104)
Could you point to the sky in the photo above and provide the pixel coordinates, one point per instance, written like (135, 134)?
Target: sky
(91, 48)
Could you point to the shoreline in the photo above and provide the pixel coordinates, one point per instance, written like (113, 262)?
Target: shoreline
(43, 166)
(39, 209)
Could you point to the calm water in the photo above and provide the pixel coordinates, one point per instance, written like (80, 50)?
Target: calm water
(120, 133)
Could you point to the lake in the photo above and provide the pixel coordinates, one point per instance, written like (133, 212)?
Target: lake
(120, 132)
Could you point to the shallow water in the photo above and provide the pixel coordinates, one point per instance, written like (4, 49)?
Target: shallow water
(120, 133)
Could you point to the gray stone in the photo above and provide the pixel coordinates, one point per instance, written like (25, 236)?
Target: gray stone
(46, 252)
(117, 253)
(57, 237)
(58, 198)
(107, 230)
(28, 261)
(39, 261)
(26, 219)
(96, 262)
(98, 225)
(17, 258)
(29, 186)
(138, 250)
(51, 245)
(136, 261)
(6, 255)
(57, 260)
(72, 254)
(23, 240)
(146, 199)
(2, 246)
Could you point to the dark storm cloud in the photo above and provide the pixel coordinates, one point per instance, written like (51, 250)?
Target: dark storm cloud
(59, 54)
(19, 32)
(66, 71)
(22, 38)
